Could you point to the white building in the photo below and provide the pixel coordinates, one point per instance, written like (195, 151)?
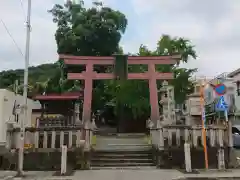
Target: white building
(232, 96)
(10, 114)
(210, 97)
(193, 104)
(209, 93)
(193, 101)
(235, 75)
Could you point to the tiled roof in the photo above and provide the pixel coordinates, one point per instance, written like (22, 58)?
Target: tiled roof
(62, 96)
(234, 73)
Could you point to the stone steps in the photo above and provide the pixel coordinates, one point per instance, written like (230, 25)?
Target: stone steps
(112, 160)
(121, 159)
(122, 142)
(126, 154)
(125, 168)
(122, 150)
(119, 165)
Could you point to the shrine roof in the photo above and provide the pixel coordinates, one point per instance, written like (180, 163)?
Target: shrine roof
(108, 60)
(158, 57)
(62, 96)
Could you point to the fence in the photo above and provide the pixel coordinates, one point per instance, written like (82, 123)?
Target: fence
(168, 137)
(49, 139)
(52, 139)
(50, 134)
(175, 136)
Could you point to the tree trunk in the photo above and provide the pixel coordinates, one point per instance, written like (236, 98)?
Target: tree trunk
(121, 119)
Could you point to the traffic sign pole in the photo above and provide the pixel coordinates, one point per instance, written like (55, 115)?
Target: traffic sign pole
(203, 124)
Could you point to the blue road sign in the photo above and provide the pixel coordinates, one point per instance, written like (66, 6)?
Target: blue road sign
(221, 104)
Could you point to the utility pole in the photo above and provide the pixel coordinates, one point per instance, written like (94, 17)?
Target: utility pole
(16, 87)
(25, 91)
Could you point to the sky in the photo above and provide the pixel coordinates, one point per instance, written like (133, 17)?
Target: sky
(213, 26)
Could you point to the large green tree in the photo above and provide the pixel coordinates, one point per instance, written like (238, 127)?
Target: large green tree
(134, 94)
(94, 31)
(38, 77)
(177, 45)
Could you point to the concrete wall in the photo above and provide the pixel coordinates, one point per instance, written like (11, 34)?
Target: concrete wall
(237, 98)
(193, 101)
(236, 77)
(194, 106)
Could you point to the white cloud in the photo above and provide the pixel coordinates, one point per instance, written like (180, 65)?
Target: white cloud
(43, 48)
(213, 26)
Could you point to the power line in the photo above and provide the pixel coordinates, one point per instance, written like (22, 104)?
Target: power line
(9, 33)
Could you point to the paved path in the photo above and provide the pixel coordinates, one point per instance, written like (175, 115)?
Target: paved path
(147, 174)
(154, 174)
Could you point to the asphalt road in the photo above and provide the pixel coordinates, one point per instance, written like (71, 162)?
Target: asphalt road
(143, 174)
(127, 174)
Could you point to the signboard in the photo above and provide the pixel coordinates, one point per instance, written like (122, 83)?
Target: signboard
(220, 89)
(221, 104)
(28, 146)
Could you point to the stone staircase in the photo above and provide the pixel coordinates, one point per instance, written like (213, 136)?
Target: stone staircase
(121, 151)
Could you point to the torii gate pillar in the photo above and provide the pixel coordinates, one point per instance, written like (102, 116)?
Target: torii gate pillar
(153, 93)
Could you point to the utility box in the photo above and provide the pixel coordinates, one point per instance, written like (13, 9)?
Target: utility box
(11, 112)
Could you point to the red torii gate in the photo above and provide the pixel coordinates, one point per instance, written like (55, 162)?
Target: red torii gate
(89, 75)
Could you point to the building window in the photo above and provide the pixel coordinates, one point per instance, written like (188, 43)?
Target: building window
(231, 99)
(238, 88)
(238, 92)
(209, 96)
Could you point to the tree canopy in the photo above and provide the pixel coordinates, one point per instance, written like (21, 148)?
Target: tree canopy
(97, 31)
(94, 31)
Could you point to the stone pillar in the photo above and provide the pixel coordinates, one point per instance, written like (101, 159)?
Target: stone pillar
(77, 120)
(187, 153)
(164, 101)
(188, 112)
(64, 160)
(221, 159)
(87, 136)
(232, 163)
(230, 138)
(171, 104)
(168, 103)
